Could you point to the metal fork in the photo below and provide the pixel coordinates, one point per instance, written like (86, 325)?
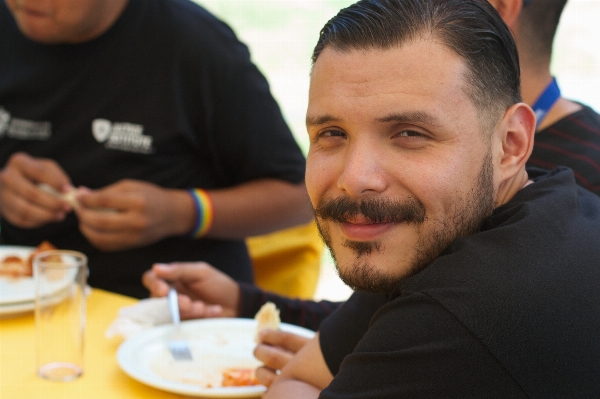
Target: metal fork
(177, 344)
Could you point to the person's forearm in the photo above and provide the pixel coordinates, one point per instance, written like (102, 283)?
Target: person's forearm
(253, 208)
(258, 207)
(183, 215)
(290, 389)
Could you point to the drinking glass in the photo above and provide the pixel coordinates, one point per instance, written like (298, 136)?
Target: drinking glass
(60, 279)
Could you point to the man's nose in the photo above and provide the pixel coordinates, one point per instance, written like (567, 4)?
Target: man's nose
(362, 172)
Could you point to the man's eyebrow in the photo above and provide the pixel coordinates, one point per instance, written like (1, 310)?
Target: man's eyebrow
(404, 117)
(411, 117)
(320, 120)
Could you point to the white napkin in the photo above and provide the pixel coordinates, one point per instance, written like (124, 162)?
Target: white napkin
(143, 315)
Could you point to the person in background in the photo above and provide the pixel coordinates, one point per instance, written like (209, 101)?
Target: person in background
(567, 132)
(154, 111)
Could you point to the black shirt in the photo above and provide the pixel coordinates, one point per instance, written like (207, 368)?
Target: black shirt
(509, 312)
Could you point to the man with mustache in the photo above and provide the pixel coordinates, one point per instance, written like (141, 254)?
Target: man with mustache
(566, 134)
(481, 275)
(416, 170)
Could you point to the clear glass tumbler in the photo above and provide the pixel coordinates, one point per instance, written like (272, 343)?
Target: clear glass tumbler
(60, 278)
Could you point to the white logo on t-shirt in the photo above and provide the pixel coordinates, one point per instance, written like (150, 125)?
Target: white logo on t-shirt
(122, 136)
(23, 129)
(101, 129)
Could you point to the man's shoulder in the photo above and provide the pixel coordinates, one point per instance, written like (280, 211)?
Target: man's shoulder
(573, 141)
(552, 191)
(189, 30)
(585, 119)
(188, 18)
(585, 112)
(531, 234)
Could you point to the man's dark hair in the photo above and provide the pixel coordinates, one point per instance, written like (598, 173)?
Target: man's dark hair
(471, 28)
(537, 26)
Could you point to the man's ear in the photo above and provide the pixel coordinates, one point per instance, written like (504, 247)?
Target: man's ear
(518, 131)
(509, 10)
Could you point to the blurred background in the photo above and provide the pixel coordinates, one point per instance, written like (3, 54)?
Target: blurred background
(281, 35)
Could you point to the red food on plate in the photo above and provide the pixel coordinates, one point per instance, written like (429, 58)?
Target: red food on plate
(236, 377)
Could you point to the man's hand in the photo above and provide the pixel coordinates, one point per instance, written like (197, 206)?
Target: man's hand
(304, 376)
(275, 350)
(131, 214)
(203, 290)
(22, 202)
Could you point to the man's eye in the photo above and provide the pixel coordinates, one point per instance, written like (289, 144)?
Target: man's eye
(410, 133)
(332, 133)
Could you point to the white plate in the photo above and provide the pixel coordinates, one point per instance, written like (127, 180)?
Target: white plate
(215, 344)
(15, 291)
(17, 295)
(13, 309)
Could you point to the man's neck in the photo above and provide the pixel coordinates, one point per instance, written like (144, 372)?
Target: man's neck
(533, 84)
(509, 188)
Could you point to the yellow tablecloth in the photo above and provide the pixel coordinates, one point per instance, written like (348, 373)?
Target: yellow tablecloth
(102, 378)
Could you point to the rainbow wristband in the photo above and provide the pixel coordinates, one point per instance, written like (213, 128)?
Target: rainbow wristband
(204, 212)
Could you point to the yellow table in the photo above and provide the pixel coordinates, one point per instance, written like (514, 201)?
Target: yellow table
(102, 378)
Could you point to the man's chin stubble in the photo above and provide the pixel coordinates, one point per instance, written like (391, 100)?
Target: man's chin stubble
(362, 275)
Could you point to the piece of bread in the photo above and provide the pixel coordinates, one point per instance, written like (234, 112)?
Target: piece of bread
(267, 317)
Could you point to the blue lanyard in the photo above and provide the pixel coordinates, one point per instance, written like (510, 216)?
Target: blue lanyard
(545, 101)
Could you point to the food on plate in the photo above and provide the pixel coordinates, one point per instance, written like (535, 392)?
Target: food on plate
(214, 351)
(44, 246)
(222, 352)
(16, 266)
(267, 317)
(239, 377)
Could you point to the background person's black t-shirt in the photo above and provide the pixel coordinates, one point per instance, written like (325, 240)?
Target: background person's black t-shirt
(168, 95)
